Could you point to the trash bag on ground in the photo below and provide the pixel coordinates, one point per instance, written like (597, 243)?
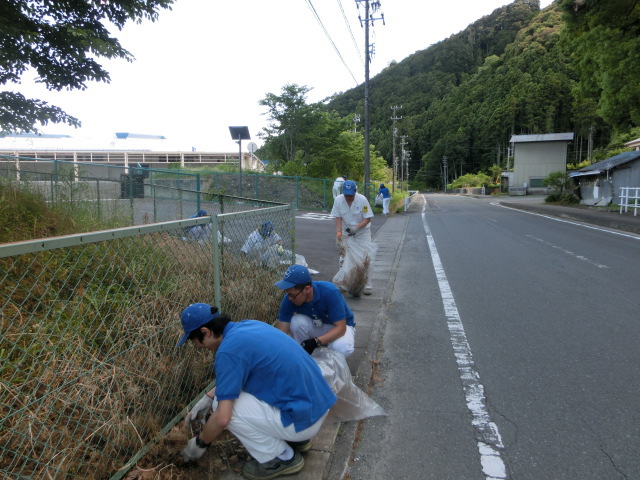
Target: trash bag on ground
(352, 403)
(275, 255)
(357, 264)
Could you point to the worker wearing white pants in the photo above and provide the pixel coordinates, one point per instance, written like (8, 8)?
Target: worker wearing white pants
(259, 428)
(337, 185)
(302, 328)
(269, 392)
(315, 314)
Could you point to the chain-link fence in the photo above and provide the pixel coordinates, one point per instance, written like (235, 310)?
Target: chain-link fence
(90, 374)
(139, 195)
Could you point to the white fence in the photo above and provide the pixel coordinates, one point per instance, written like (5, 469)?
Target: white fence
(630, 198)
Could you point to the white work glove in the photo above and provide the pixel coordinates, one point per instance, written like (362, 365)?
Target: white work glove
(351, 231)
(192, 451)
(200, 409)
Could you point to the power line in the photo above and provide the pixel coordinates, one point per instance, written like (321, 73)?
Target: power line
(315, 14)
(353, 39)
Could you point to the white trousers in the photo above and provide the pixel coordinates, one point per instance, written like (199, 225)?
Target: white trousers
(258, 427)
(302, 328)
(385, 206)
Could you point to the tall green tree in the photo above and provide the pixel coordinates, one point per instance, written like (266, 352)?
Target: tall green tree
(309, 140)
(605, 40)
(60, 41)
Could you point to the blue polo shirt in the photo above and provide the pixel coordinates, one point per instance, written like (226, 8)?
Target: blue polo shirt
(261, 360)
(327, 304)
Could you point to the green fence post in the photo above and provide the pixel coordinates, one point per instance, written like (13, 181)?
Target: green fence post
(324, 194)
(297, 191)
(198, 199)
(216, 261)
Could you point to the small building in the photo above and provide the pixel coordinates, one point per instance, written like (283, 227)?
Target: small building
(600, 182)
(535, 157)
(635, 144)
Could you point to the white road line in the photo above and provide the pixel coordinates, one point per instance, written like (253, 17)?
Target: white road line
(569, 252)
(488, 437)
(591, 227)
(315, 216)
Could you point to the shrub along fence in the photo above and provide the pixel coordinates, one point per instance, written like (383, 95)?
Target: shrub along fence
(90, 373)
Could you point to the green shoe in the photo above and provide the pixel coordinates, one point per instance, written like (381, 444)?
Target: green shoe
(301, 447)
(273, 468)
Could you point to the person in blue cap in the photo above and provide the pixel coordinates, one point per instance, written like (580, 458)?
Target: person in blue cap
(315, 314)
(198, 233)
(258, 242)
(353, 215)
(269, 393)
(386, 198)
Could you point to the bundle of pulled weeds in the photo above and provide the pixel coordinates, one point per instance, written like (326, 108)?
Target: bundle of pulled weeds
(355, 278)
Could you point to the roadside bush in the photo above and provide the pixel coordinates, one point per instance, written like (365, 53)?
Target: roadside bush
(566, 198)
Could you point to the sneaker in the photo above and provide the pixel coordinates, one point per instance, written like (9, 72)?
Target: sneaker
(367, 290)
(273, 468)
(301, 447)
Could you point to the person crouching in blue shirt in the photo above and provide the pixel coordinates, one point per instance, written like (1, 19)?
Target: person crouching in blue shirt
(315, 314)
(269, 393)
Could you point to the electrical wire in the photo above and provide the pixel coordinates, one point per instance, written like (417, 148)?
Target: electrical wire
(346, 21)
(315, 14)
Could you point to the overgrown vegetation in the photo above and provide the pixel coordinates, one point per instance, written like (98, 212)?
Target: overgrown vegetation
(88, 356)
(563, 187)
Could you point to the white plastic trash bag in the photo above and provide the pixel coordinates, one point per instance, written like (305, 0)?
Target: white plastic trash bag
(275, 255)
(378, 201)
(357, 264)
(352, 403)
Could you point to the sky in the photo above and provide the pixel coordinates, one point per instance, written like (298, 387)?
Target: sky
(206, 64)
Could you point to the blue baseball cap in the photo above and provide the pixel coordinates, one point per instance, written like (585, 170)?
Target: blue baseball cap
(295, 275)
(195, 316)
(349, 187)
(266, 228)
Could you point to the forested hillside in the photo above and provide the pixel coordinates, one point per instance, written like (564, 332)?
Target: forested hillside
(572, 67)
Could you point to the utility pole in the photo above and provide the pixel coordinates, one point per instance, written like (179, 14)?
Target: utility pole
(368, 50)
(445, 166)
(394, 130)
(403, 156)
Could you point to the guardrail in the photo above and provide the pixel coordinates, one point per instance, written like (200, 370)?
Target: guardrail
(629, 198)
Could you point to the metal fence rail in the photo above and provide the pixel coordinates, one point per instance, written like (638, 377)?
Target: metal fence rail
(630, 199)
(90, 375)
(111, 186)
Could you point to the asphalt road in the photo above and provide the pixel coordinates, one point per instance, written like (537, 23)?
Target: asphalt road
(510, 350)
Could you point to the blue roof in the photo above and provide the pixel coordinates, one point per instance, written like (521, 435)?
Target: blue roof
(612, 162)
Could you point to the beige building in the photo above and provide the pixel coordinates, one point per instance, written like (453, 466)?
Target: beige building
(535, 157)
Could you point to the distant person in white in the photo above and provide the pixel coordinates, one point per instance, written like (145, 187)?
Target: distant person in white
(337, 185)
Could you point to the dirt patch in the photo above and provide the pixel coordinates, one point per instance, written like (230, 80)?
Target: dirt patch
(164, 462)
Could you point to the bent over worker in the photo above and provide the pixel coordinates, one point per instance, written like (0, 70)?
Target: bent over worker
(315, 313)
(269, 393)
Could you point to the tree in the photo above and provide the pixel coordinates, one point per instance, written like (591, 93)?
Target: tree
(307, 139)
(560, 182)
(60, 41)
